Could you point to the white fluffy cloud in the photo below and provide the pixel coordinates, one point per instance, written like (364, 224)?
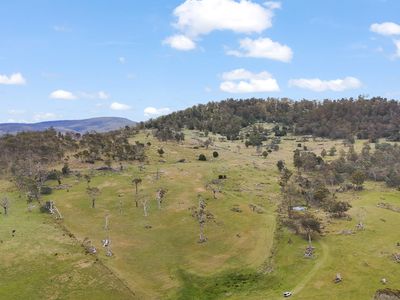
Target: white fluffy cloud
(180, 42)
(62, 95)
(243, 81)
(102, 95)
(13, 79)
(318, 85)
(263, 48)
(155, 112)
(386, 28)
(119, 106)
(201, 17)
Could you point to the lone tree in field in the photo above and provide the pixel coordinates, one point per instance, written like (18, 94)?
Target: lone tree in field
(136, 182)
(160, 196)
(265, 154)
(5, 203)
(215, 154)
(201, 216)
(93, 193)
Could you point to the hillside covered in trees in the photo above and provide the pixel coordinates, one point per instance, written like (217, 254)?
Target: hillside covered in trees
(345, 118)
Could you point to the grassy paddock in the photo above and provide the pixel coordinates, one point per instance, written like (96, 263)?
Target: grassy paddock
(247, 256)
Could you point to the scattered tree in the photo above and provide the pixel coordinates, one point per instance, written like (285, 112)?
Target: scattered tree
(136, 181)
(93, 193)
(5, 203)
(358, 178)
(201, 215)
(160, 196)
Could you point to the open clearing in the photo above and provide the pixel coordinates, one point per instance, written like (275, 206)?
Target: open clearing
(247, 255)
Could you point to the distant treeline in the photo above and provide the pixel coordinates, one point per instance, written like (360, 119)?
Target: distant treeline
(344, 118)
(23, 151)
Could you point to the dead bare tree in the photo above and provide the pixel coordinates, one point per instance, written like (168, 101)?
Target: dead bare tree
(5, 204)
(160, 196)
(214, 189)
(106, 223)
(93, 193)
(201, 216)
(145, 203)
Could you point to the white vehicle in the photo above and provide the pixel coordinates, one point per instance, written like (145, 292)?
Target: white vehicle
(287, 294)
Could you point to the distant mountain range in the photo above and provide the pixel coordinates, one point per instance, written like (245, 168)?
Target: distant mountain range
(81, 126)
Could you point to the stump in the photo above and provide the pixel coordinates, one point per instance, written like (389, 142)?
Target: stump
(309, 252)
(338, 278)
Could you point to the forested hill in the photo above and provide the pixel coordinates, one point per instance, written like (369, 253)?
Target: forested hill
(78, 126)
(365, 118)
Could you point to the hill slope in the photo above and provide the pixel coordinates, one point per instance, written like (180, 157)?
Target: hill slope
(94, 124)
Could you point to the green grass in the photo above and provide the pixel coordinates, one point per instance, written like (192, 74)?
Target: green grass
(42, 262)
(247, 256)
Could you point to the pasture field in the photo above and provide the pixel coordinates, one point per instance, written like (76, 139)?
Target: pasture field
(246, 256)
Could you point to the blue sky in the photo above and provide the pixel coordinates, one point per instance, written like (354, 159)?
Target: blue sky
(139, 59)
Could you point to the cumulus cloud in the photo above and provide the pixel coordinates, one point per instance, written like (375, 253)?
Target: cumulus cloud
(201, 17)
(62, 95)
(13, 79)
(263, 48)
(119, 106)
(155, 112)
(180, 42)
(386, 28)
(102, 95)
(318, 85)
(244, 81)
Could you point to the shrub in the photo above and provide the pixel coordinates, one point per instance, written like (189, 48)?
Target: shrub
(53, 175)
(215, 154)
(46, 190)
(202, 157)
(66, 170)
